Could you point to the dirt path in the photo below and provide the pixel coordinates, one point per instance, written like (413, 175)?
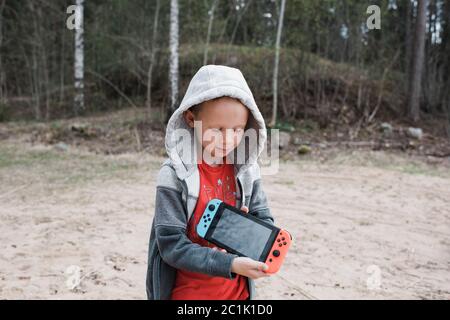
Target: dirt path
(360, 231)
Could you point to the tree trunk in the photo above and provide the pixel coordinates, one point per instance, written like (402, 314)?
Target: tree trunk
(276, 64)
(414, 93)
(408, 45)
(173, 62)
(43, 63)
(208, 36)
(238, 21)
(35, 83)
(2, 73)
(62, 64)
(153, 54)
(445, 53)
(79, 59)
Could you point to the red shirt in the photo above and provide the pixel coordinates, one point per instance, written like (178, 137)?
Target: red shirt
(215, 182)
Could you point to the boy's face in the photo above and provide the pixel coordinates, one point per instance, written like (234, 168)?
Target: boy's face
(223, 124)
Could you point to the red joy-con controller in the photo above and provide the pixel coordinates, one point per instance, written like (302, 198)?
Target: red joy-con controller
(278, 251)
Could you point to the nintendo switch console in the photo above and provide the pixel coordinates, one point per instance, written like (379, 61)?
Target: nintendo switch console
(244, 234)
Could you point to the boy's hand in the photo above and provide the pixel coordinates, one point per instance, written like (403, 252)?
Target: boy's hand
(249, 268)
(217, 248)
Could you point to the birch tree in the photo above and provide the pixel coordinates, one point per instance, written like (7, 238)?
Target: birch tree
(276, 64)
(173, 60)
(79, 58)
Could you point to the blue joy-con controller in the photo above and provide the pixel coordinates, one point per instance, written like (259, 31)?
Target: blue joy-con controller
(207, 217)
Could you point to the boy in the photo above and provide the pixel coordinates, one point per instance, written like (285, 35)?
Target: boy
(181, 265)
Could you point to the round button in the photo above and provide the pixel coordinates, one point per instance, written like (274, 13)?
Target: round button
(276, 253)
(283, 239)
(278, 240)
(205, 225)
(280, 245)
(270, 260)
(210, 220)
(211, 207)
(285, 243)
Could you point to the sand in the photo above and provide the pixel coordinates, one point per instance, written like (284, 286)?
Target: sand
(360, 231)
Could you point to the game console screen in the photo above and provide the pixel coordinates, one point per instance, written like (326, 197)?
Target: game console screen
(241, 234)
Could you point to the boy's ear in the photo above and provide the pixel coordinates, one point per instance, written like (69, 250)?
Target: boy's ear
(189, 118)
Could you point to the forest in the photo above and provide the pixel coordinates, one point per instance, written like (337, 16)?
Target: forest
(330, 62)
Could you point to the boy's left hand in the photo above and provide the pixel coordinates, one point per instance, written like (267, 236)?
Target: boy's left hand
(243, 208)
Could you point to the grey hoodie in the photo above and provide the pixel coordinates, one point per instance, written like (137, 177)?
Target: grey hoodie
(178, 186)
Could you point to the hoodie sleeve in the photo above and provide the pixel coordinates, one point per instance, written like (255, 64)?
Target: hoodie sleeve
(258, 205)
(175, 247)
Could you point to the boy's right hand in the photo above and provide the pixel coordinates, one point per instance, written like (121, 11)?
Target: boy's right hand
(249, 268)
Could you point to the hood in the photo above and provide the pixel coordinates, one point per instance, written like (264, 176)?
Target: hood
(210, 82)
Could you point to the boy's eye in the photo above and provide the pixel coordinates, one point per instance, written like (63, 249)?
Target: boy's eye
(220, 130)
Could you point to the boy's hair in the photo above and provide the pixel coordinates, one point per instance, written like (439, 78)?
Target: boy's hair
(196, 108)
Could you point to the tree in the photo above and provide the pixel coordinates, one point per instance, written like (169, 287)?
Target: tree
(275, 68)
(153, 53)
(418, 56)
(445, 53)
(2, 75)
(408, 37)
(173, 62)
(79, 58)
(208, 36)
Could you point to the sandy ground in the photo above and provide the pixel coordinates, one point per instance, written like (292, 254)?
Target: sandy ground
(362, 230)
